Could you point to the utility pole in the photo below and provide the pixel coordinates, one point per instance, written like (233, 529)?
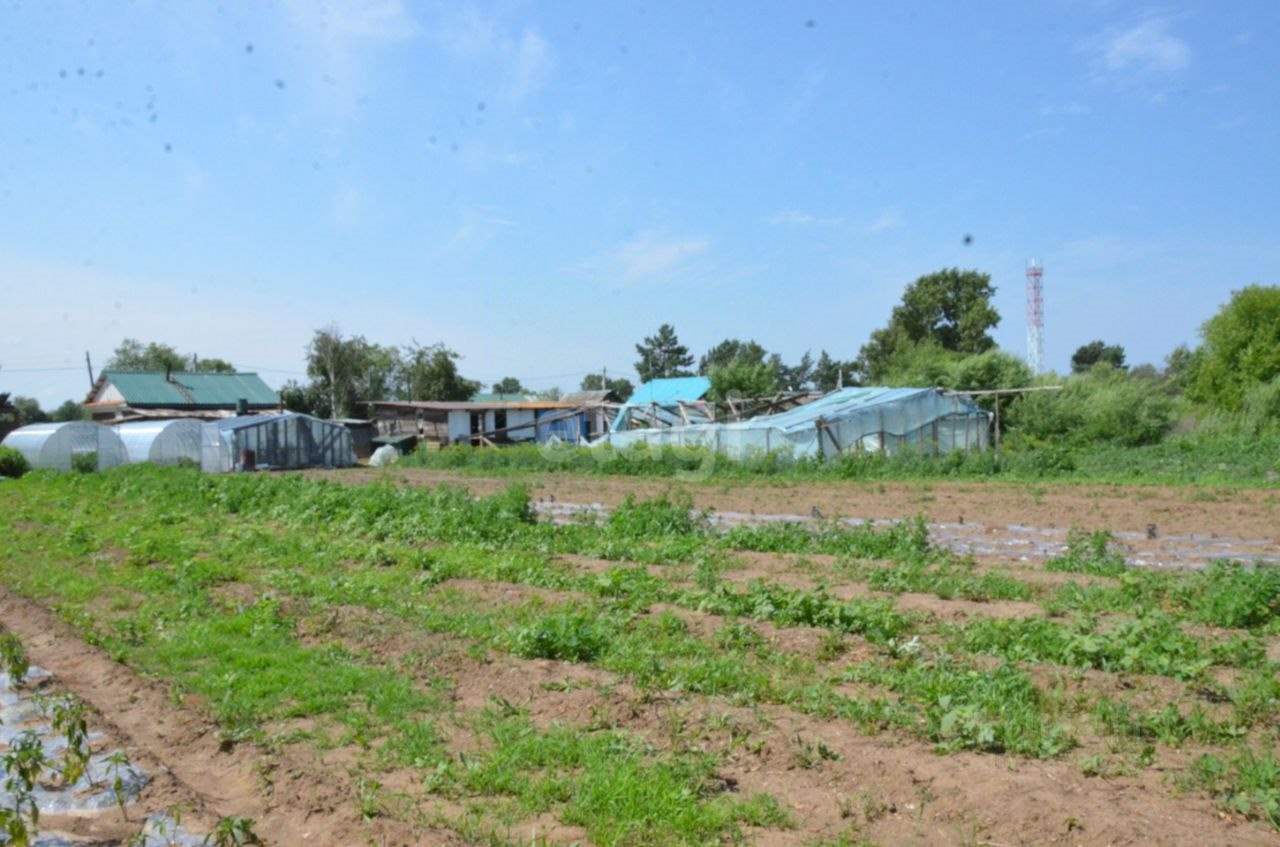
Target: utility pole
(88, 364)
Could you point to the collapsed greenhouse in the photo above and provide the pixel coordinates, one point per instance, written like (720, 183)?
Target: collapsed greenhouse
(874, 420)
(55, 446)
(161, 442)
(283, 441)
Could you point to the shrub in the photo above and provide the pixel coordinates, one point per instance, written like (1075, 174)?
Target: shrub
(13, 463)
(1104, 405)
(85, 462)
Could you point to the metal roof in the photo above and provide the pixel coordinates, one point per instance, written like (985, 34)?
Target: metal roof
(588, 398)
(469, 406)
(244, 421)
(499, 397)
(669, 392)
(180, 389)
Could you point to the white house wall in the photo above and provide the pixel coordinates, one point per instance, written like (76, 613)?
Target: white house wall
(459, 426)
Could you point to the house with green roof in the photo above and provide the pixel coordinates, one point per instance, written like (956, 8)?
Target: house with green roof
(119, 396)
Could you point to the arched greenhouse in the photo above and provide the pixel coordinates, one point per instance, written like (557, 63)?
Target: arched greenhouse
(162, 442)
(54, 445)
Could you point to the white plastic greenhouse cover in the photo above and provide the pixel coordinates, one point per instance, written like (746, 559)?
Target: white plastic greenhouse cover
(852, 419)
(161, 442)
(51, 445)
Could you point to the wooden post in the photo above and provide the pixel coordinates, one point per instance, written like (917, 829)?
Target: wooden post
(821, 424)
(997, 445)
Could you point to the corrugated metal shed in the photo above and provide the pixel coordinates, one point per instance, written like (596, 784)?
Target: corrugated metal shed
(669, 392)
(184, 390)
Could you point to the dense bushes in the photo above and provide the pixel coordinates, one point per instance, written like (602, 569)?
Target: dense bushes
(1104, 405)
(12, 463)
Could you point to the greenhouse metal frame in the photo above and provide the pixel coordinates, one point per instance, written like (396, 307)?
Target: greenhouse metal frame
(284, 441)
(870, 420)
(55, 445)
(162, 442)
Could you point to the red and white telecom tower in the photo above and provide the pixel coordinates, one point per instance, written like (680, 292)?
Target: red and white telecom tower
(1035, 316)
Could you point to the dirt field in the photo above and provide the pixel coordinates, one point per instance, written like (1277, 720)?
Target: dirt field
(836, 781)
(1002, 521)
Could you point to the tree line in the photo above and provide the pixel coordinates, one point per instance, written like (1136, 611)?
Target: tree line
(938, 335)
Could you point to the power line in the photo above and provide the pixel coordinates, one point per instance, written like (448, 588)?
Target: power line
(36, 370)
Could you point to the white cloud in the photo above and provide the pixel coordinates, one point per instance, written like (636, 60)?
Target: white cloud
(1144, 49)
(523, 62)
(530, 62)
(795, 217)
(646, 257)
(1071, 109)
(340, 34)
(343, 24)
(805, 93)
(476, 228)
(649, 255)
(887, 219)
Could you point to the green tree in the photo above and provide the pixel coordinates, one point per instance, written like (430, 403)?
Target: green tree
(70, 410)
(1180, 365)
(1088, 355)
(335, 363)
(985, 371)
(750, 357)
(797, 377)
(1241, 348)
(430, 372)
(740, 378)
(662, 356)
(376, 373)
(29, 411)
(829, 374)
(951, 309)
(508, 385)
(1103, 405)
(731, 350)
(133, 355)
(308, 399)
(622, 388)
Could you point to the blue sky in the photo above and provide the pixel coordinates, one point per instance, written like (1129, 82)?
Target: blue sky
(540, 185)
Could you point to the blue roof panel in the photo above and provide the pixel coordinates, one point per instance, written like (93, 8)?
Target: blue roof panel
(668, 392)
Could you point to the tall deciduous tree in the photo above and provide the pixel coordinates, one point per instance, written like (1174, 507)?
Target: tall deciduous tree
(1088, 355)
(662, 355)
(729, 351)
(335, 363)
(508, 385)
(430, 372)
(1241, 348)
(741, 378)
(951, 309)
(133, 355)
(749, 362)
(29, 410)
(70, 410)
